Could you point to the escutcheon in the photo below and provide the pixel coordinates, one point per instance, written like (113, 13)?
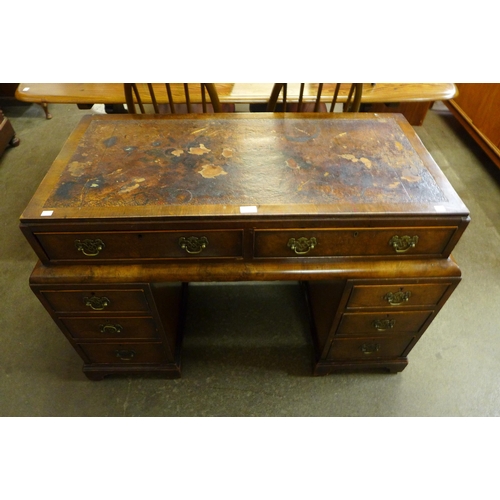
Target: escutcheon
(302, 245)
(111, 328)
(384, 324)
(125, 355)
(89, 247)
(397, 298)
(193, 244)
(369, 348)
(403, 243)
(96, 303)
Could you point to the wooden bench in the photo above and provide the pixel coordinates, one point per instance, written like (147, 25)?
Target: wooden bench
(411, 99)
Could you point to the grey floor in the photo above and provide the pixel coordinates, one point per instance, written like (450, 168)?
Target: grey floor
(246, 351)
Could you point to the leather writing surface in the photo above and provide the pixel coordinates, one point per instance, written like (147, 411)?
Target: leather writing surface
(244, 162)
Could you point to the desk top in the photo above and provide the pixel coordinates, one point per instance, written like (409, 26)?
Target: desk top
(239, 93)
(230, 165)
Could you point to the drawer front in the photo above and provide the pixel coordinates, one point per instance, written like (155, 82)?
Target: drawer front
(352, 242)
(96, 301)
(366, 349)
(146, 245)
(124, 353)
(111, 328)
(382, 322)
(397, 295)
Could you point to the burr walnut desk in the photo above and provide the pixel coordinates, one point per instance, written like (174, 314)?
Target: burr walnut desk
(136, 207)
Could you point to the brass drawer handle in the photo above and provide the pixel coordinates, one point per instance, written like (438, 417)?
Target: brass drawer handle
(384, 324)
(125, 355)
(90, 248)
(96, 303)
(369, 348)
(403, 243)
(302, 245)
(193, 244)
(397, 298)
(110, 328)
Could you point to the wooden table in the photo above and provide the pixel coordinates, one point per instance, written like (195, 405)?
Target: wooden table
(411, 99)
(136, 206)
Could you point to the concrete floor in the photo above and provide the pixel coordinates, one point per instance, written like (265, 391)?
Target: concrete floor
(246, 351)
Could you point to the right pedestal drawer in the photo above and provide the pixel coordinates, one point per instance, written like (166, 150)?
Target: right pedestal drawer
(375, 323)
(368, 349)
(397, 295)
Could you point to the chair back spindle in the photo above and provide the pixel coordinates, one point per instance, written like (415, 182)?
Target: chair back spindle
(352, 102)
(137, 94)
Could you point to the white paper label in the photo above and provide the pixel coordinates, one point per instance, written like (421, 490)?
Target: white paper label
(47, 213)
(439, 208)
(248, 210)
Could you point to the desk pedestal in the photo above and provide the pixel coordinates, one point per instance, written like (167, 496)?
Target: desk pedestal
(128, 319)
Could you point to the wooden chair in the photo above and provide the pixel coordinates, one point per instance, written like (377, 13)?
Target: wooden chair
(352, 103)
(181, 98)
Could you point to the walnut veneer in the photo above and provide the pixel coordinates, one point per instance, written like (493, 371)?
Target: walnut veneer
(136, 207)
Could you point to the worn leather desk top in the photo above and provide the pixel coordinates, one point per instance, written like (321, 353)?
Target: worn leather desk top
(229, 165)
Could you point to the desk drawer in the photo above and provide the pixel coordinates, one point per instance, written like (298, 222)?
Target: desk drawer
(397, 295)
(360, 242)
(96, 301)
(140, 245)
(365, 349)
(382, 322)
(111, 328)
(124, 353)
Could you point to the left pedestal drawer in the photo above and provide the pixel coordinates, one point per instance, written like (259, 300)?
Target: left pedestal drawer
(100, 300)
(123, 353)
(125, 326)
(110, 328)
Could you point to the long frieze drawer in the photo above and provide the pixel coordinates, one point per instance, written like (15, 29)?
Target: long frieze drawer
(124, 353)
(96, 301)
(315, 242)
(366, 348)
(397, 295)
(141, 245)
(111, 328)
(382, 323)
